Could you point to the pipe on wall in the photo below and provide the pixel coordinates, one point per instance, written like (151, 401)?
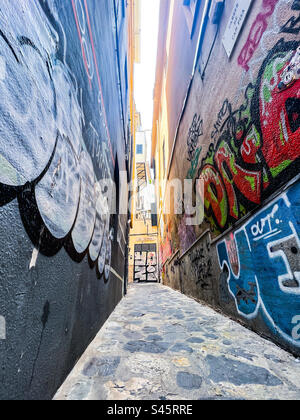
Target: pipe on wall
(202, 30)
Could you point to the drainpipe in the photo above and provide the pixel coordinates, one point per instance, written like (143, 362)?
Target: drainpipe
(119, 71)
(126, 257)
(124, 134)
(201, 33)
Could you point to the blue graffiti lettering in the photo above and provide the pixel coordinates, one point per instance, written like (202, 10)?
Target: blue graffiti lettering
(268, 278)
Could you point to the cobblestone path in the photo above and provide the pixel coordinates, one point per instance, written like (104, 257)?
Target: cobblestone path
(160, 345)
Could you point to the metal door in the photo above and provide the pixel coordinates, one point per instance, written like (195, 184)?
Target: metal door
(145, 263)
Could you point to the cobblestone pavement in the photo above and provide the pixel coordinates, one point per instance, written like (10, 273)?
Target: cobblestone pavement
(159, 344)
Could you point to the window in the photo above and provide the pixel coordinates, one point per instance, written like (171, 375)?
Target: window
(139, 149)
(154, 168)
(190, 11)
(153, 214)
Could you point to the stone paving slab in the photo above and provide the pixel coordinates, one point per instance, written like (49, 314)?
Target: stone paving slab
(161, 345)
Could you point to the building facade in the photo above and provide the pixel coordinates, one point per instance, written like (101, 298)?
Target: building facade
(66, 128)
(142, 264)
(229, 124)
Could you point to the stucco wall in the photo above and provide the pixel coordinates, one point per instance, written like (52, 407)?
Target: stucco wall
(240, 134)
(61, 260)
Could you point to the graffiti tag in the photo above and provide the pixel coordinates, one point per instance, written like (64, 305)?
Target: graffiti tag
(256, 32)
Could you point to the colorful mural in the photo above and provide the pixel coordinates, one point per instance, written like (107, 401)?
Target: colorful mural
(51, 171)
(60, 151)
(257, 147)
(248, 157)
(263, 265)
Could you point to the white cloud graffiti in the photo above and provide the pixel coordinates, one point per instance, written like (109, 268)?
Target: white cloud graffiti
(41, 123)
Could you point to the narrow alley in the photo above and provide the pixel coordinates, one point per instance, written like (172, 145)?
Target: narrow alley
(161, 345)
(149, 200)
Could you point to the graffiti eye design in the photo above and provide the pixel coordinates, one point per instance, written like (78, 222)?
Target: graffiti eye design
(288, 77)
(292, 72)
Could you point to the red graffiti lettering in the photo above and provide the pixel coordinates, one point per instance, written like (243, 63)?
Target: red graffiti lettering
(215, 199)
(250, 147)
(247, 182)
(243, 166)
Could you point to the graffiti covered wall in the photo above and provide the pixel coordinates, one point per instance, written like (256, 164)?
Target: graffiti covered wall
(240, 135)
(262, 264)
(60, 128)
(256, 147)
